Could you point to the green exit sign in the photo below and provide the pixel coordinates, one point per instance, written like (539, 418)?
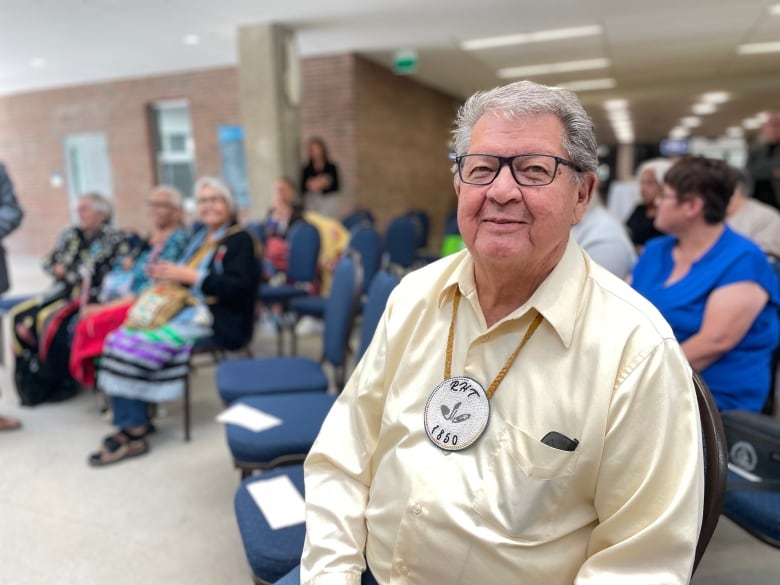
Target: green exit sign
(405, 62)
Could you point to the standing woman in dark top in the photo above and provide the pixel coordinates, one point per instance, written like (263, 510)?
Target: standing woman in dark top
(320, 179)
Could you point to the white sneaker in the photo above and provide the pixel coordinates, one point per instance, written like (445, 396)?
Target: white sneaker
(309, 326)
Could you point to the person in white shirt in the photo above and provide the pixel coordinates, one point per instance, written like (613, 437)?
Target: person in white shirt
(521, 415)
(605, 239)
(753, 219)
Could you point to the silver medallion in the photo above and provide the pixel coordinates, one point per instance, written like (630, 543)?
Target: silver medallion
(456, 413)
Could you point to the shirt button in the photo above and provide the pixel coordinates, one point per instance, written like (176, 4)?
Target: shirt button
(405, 571)
(417, 509)
(484, 338)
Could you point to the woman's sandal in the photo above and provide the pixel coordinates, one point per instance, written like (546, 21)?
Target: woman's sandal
(119, 446)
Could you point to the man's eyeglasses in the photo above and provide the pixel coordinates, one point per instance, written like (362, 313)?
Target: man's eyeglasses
(528, 170)
(213, 200)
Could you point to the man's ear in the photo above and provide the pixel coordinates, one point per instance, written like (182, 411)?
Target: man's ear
(585, 190)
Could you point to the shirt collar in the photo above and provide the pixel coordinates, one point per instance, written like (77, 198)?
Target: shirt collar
(557, 298)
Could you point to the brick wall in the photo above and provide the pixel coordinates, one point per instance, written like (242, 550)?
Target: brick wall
(33, 127)
(402, 136)
(388, 135)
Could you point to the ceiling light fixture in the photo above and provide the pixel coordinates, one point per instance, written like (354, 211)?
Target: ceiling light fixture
(735, 132)
(532, 37)
(774, 10)
(751, 124)
(690, 122)
(679, 132)
(589, 84)
(756, 48)
(548, 68)
(703, 109)
(715, 97)
(615, 104)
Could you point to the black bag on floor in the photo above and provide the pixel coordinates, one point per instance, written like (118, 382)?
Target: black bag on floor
(49, 381)
(754, 442)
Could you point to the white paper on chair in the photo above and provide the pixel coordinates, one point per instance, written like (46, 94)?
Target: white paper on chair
(279, 500)
(248, 417)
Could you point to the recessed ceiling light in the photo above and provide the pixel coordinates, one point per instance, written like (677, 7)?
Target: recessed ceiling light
(191, 39)
(38, 62)
(715, 97)
(615, 104)
(751, 124)
(532, 37)
(690, 121)
(589, 84)
(703, 109)
(679, 132)
(762, 116)
(735, 132)
(547, 68)
(774, 9)
(755, 48)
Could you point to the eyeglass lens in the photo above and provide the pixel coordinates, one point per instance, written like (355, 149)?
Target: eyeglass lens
(530, 170)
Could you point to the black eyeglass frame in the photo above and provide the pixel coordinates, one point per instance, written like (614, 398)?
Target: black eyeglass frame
(507, 160)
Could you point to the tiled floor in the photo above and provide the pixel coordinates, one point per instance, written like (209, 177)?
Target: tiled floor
(167, 518)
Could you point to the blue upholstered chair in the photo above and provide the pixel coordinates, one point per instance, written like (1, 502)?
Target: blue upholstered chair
(271, 553)
(304, 250)
(401, 242)
(302, 414)
(367, 244)
(754, 506)
(379, 290)
(250, 377)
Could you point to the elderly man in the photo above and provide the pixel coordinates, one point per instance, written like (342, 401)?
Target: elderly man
(522, 415)
(651, 182)
(763, 163)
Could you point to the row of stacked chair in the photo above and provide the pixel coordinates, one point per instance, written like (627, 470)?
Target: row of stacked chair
(295, 390)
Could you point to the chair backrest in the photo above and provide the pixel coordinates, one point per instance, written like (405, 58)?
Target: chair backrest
(304, 243)
(358, 218)
(366, 241)
(381, 286)
(401, 241)
(715, 464)
(340, 309)
(422, 224)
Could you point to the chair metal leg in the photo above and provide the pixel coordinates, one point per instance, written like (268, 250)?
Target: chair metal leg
(187, 409)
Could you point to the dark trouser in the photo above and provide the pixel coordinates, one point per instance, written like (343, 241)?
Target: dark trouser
(129, 412)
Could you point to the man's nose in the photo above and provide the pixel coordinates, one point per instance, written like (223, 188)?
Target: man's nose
(504, 188)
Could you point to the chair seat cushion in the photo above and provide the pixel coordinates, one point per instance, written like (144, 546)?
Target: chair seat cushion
(257, 376)
(312, 306)
(756, 511)
(271, 553)
(302, 415)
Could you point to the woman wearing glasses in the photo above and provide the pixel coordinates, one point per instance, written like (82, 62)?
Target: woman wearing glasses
(715, 287)
(210, 292)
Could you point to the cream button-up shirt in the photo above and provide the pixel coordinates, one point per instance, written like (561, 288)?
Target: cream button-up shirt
(603, 367)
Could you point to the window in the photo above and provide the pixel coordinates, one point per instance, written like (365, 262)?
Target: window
(174, 146)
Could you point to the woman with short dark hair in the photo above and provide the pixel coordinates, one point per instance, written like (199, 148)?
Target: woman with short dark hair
(714, 286)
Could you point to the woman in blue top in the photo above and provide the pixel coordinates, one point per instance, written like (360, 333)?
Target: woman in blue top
(715, 287)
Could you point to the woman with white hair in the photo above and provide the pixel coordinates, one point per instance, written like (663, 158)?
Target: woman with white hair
(651, 182)
(83, 255)
(210, 292)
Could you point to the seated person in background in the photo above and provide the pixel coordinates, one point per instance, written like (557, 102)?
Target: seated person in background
(166, 241)
(753, 219)
(581, 462)
(214, 286)
(604, 238)
(714, 286)
(651, 180)
(286, 210)
(83, 255)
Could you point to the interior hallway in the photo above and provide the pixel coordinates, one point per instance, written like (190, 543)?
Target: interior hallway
(167, 517)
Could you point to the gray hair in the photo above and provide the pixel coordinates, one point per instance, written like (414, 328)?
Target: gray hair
(100, 204)
(526, 98)
(220, 187)
(659, 167)
(174, 195)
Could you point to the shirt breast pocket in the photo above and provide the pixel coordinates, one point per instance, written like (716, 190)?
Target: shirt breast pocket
(523, 487)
